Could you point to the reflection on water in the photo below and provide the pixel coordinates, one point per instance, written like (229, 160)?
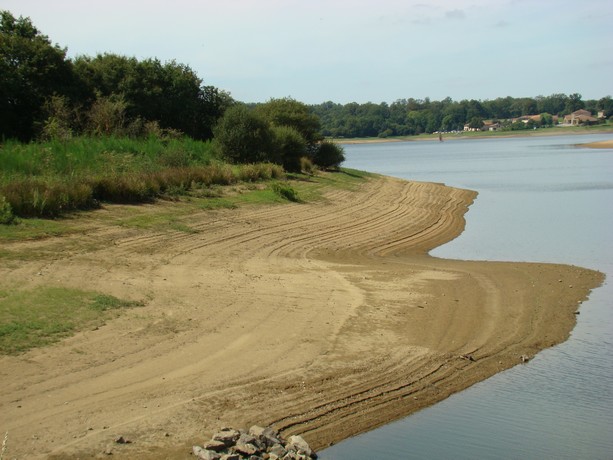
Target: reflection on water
(540, 199)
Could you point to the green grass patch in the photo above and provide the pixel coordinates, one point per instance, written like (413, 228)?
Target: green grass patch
(42, 316)
(54, 178)
(285, 191)
(30, 229)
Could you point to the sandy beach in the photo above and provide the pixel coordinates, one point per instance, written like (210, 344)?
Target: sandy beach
(325, 319)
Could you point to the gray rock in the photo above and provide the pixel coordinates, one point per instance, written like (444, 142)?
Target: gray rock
(299, 445)
(266, 435)
(231, 457)
(215, 446)
(204, 454)
(278, 450)
(246, 449)
(228, 436)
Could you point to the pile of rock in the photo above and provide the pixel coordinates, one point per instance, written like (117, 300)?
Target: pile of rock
(256, 444)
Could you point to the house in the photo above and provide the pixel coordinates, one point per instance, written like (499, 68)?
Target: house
(579, 117)
(490, 126)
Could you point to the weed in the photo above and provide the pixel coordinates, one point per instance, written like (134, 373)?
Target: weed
(285, 191)
(6, 212)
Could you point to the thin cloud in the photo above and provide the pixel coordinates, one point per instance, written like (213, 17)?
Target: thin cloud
(455, 14)
(502, 24)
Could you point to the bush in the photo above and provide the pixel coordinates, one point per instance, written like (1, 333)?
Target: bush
(329, 155)
(307, 166)
(286, 191)
(290, 146)
(241, 136)
(6, 212)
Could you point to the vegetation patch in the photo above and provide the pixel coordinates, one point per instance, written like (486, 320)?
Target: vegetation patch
(41, 316)
(285, 191)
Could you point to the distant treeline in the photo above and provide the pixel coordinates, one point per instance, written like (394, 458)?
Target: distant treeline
(407, 117)
(45, 95)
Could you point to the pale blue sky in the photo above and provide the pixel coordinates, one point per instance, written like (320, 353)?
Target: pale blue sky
(359, 50)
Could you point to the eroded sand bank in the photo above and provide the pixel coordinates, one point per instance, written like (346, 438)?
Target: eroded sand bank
(323, 319)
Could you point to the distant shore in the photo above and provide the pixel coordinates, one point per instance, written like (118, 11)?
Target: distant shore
(598, 145)
(559, 131)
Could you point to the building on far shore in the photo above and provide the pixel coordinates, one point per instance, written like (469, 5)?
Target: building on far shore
(579, 117)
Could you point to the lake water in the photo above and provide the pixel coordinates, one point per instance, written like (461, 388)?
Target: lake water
(540, 199)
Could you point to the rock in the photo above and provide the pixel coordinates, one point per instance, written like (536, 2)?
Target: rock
(267, 435)
(122, 440)
(246, 438)
(231, 457)
(204, 454)
(215, 446)
(299, 445)
(524, 358)
(228, 436)
(246, 449)
(278, 450)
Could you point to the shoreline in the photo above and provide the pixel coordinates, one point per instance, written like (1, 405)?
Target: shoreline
(598, 145)
(325, 320)
(460, 136)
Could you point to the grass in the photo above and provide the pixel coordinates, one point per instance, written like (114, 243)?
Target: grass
(44, 315)
(54, 178)
(174, 214)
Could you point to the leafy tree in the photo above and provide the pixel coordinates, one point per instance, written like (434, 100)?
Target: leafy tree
(289, 148)
(476, 123)
(605, 104)
(573, 103)
(546, 119)
(329, 155)
(171, 93)
(32, 70)
(107, 116)
(289, 112)
(244, 136)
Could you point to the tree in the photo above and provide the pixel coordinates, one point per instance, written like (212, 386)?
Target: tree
(243, 136)
(289, 147)
(606, 105)
(170, 93)
(546, 119)
(32, 70)
(476, 123)
(289, 112)
(329, 155)
(573, 103)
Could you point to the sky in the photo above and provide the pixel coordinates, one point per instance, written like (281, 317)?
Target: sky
(351, 50)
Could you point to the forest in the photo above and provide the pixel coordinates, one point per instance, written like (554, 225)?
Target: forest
(406, 117)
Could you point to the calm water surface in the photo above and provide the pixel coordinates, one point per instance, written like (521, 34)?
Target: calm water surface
(540, 199)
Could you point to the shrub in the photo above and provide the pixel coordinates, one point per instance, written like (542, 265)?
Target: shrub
(329, 155)
(285, 191)
(307, 166)
(289, 146)
(241, 136)
(6, 212)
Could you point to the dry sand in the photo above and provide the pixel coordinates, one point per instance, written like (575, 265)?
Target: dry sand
(325, 319)
(599, 145)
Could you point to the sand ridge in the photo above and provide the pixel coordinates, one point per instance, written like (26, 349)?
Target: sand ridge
(325, 319)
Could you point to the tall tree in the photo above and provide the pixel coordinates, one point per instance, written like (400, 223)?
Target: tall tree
(31, 71)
